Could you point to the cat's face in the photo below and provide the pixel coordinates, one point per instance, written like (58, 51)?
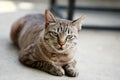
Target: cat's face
(61, 35)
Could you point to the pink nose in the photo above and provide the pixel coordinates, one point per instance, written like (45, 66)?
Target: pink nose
(61, 43)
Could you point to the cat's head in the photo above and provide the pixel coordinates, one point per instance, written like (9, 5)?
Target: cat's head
(60, 34)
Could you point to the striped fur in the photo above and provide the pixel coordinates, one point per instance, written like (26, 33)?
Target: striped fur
(47, 43)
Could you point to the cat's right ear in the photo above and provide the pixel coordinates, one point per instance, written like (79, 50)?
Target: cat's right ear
(49, 17)
(78, 22)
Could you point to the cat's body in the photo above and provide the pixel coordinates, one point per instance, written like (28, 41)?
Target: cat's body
(43, 48)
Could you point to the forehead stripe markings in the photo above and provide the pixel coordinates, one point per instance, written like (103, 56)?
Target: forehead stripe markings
(65, 28)
(58, 29)
(61, 28)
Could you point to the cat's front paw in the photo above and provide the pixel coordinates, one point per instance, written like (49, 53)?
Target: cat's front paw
(72, 72)
(57, 71)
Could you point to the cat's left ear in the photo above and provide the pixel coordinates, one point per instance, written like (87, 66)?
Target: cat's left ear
(78, 22)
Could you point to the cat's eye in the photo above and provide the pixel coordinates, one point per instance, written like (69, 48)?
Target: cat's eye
(53, 34)
(70, 37)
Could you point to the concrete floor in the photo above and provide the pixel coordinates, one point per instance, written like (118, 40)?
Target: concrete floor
(98, 56)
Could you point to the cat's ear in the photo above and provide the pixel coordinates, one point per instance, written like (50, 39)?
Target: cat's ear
(78, 22)
(49, 17)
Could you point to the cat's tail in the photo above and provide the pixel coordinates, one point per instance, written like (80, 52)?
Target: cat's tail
(16, 29)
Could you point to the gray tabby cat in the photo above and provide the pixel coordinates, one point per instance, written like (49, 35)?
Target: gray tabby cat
(47, 43)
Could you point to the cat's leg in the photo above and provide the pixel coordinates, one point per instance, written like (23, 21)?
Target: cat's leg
(48, 67)
(41, 64)
(70, 69)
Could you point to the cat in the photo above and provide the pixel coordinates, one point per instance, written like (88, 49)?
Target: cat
(47, 43)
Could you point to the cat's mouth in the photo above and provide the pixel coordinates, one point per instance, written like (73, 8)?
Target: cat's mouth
(61, 48)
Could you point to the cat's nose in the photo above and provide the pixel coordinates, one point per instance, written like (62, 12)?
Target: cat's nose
(61, 42)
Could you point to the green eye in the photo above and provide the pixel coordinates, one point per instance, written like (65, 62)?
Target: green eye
(70, 37)
(54, 34)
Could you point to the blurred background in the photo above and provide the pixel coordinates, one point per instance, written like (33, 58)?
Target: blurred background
(105, 13)
(98, 54)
